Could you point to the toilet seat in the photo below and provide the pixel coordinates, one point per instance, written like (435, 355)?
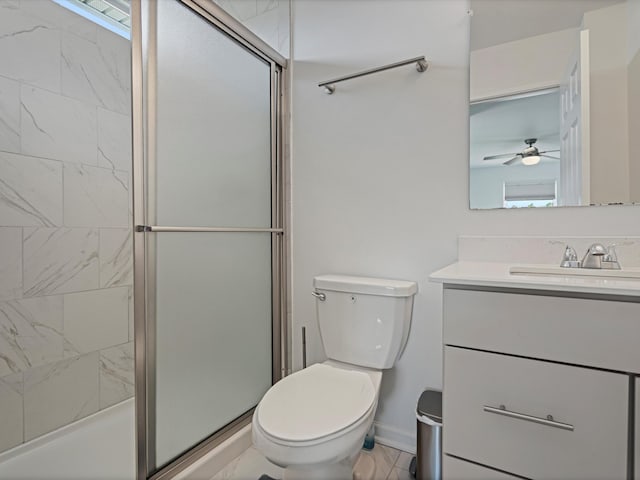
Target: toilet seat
(315, 403)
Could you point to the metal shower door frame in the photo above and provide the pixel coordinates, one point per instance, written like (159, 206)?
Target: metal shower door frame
(144, 62)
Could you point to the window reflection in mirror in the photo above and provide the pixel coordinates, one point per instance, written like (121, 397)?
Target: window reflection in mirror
(555, 100)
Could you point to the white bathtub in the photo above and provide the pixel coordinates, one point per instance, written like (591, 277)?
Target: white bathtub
(99, 447)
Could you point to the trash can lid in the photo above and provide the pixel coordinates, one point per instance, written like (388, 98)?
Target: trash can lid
(430, 404)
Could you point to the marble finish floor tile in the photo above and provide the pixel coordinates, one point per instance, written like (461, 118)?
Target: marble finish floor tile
(404, 460)
(251, 464)
(385, 458)
(399, 474)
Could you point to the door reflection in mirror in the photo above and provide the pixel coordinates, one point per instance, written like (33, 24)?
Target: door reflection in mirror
(555, 97)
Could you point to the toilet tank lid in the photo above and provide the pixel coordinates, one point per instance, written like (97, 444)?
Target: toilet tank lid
(366, 285)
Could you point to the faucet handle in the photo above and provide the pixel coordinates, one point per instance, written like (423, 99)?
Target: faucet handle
(611, 255)
(570, 258)
(610, 259)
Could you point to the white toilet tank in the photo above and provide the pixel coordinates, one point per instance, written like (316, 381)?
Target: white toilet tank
(364, 321)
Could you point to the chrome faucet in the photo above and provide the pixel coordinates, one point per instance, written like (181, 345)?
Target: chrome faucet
(610, 260)
(597, 256)
(570, 258)
(593, 257)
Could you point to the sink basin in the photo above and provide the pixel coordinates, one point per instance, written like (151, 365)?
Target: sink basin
(624, 274)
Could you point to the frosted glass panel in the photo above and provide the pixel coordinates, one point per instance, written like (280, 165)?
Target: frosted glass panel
(213, 333)
(213, 162)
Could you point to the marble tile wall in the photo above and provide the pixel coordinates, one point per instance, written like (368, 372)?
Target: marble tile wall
(66, 346)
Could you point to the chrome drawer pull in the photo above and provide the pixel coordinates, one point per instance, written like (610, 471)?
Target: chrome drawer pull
(549, 421)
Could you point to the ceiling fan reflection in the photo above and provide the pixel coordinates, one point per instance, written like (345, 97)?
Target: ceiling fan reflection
(529, 156)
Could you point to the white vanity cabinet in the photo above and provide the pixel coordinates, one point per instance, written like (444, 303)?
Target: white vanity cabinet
(637, 432)
(537, 384)
(494, 403)
(457, 468)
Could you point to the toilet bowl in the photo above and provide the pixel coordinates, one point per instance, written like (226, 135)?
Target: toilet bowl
(313, 423)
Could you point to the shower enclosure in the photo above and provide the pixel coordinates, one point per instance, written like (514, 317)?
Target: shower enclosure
(208, 216)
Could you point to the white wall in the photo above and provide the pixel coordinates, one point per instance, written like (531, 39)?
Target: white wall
(487, 183)
(380, 172)
(633, 25)
(528, 64)
(608, 50)
(633, 94)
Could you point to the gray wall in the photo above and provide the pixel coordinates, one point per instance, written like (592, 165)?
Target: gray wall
(65, 236)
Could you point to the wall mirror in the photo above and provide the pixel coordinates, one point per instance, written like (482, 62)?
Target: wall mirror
(554, 103)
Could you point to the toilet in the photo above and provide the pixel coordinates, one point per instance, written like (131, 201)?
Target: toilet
(313, 422)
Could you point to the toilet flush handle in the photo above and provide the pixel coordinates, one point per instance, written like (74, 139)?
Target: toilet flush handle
(320, 296)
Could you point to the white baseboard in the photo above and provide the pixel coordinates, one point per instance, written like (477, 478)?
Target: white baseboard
(396, 438)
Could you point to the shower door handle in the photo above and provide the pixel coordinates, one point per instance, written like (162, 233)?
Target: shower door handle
(166, 229)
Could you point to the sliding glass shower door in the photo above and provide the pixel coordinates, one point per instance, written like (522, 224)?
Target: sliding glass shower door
(208, 242)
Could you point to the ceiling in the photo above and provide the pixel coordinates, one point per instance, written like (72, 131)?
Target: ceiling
(114, 11)
(501, 126)
(500, 21)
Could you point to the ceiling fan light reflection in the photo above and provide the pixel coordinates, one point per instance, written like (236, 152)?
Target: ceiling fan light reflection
(531, 160)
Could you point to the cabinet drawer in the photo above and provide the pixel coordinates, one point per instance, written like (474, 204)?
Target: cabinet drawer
(456, 469)
(594, 403)
(637, 431)
(596, 333)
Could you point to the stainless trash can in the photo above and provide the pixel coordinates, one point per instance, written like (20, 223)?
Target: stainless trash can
(429, 421)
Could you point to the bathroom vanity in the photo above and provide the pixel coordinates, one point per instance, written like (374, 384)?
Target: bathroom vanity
(541, 374)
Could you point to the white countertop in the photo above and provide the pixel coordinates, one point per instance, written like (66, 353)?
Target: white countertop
(491, 274)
